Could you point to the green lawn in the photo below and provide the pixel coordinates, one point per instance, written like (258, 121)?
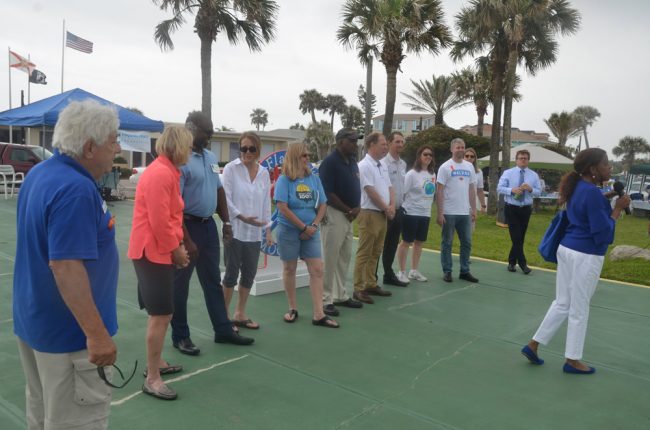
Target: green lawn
(493, 242)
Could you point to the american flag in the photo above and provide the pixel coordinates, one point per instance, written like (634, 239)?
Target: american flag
(76, 42)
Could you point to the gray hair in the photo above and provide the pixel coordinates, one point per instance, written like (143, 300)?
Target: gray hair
(455, 141)
(82, 121)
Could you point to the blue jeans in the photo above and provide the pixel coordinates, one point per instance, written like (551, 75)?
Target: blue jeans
(463, 225)
(206, 238)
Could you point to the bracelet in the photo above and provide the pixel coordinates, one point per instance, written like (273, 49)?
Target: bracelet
(226, 223)
(314, 225)
(304, 229)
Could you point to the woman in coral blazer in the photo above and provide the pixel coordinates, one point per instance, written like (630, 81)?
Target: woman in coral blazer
(156, 247)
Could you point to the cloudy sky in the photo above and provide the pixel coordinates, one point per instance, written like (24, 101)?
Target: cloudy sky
(604, 65)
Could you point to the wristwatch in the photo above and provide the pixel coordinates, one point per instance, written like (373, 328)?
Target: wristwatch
(226, 223)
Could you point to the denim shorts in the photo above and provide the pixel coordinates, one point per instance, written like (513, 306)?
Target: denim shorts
(291, 247)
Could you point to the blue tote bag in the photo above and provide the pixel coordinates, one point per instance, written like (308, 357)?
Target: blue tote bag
(553, 236)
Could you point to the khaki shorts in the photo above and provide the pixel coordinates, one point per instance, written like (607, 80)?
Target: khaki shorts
(64, 391)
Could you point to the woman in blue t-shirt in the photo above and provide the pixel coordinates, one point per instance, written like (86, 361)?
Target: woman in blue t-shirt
(300, 200)
(580, 256)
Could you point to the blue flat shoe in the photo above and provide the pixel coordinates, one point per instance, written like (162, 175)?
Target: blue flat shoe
(570, 369)
(531, 356)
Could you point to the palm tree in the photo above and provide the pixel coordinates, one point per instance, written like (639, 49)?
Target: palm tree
(586, 116)
(476, 35)
(320, 138)
(473, 85)
(436, 97)
(259, 117)
(334, 104)
(511, 31)
(250, 20)
(352, 117)
(563, 126)
(628, 147)
(529, 27)
(389, 29)
(311, 101)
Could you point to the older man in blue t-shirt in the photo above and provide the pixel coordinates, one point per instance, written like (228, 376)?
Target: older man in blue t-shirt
(65, 275)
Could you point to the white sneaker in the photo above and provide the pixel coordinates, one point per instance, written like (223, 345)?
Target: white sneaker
(417, 276)
(401, 276)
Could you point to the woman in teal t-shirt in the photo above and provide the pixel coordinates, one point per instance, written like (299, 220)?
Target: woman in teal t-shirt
(301, 201)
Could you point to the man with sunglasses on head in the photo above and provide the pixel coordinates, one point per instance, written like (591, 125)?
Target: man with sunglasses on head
(65, 275)
(203, 195)
(519, 185)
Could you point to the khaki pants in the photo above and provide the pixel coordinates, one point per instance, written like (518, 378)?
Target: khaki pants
(372, 230)
(337, 249)
(64, 391)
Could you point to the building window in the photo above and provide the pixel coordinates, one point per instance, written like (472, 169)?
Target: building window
(267, 148)
(234, 151)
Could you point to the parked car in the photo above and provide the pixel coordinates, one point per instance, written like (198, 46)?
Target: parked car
(22, 157)
(135, 176)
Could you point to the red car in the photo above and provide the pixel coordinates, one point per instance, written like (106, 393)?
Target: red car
(22, 157)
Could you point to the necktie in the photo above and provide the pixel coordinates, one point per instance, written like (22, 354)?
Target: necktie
(379, 167)
(521, 181)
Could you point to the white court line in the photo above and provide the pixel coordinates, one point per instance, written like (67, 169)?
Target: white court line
(6, 321)
(180, 378)
(6, 274)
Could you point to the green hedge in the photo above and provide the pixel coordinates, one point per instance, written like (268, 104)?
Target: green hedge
(439, 138)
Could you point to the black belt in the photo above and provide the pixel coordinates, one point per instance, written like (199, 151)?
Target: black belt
(516, 206)
(189, 217)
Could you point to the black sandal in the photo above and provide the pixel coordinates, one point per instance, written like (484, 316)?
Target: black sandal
(293, 314)
(326, 322)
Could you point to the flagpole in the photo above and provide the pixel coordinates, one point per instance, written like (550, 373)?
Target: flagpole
(9, 65)
(29, 82)
(62, 54)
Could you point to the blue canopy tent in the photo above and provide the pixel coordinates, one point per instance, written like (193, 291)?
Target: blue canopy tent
(45, 113)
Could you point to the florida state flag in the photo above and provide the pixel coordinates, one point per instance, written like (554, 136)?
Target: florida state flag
(21, 63)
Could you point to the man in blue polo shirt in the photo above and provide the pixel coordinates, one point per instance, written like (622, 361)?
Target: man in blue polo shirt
(65, 275)
(339, 174)
(203, 196)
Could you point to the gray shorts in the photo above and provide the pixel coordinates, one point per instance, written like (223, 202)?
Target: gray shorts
(244, 257)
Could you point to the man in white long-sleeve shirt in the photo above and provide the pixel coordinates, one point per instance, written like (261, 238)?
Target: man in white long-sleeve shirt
(519, 185)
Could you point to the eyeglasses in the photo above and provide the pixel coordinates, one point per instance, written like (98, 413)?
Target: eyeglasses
(102, 375)
(469, 156)
(245, 149)
(427, 154)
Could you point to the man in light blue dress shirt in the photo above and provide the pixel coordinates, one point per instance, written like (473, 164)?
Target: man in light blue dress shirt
(519, 185)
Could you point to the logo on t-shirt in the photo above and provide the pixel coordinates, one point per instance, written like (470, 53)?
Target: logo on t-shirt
(429, 187)
(304, 193)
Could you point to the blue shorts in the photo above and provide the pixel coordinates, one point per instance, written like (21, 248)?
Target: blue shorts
(415, 227)
(291, 247)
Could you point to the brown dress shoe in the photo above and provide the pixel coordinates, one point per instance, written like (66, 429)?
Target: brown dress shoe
(362, 296)
(377, 291)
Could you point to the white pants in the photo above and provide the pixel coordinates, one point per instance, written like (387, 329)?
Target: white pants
(577, 277)
(64, 391)
(337, 239)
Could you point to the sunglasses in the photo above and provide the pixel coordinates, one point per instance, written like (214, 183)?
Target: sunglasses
(102, 375)
(469, 156)
(245, 149)
(427, 154)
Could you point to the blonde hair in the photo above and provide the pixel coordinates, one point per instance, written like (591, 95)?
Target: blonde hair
(175, 144)
(292, 166)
